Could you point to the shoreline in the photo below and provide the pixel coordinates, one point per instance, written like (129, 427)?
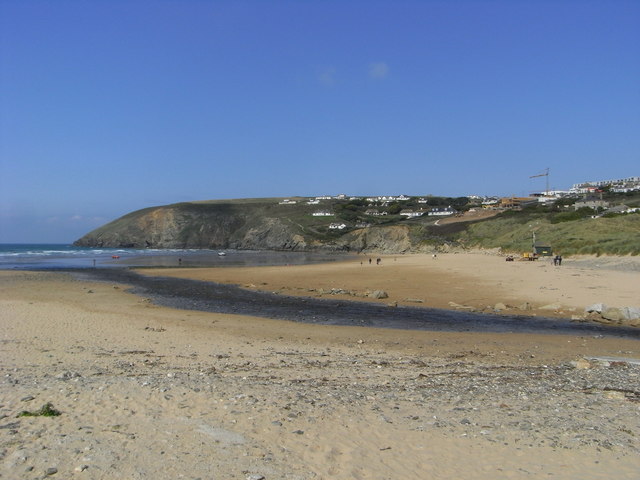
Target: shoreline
(154, 392)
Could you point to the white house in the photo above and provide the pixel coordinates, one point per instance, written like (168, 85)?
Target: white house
(337, 226)
(442, 211)
(618, 209)
(411, 213)
(286, 201)
(375, 213)
(322, 213)
(313, 202)
(591, 202)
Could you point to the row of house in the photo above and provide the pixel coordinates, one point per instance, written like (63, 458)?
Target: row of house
(620, 185)
(389, 198)
(342, 226)
(342, 196)
(436, 211)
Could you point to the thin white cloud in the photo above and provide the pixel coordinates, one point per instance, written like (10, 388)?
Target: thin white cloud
(327, 76)
(378, 70)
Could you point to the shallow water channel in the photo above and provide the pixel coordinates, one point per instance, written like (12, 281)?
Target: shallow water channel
(220, 298)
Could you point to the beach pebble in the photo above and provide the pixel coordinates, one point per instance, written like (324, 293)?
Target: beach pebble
(378, 294)
(255, 476)
(551, 306)
(51, 471)
(580, 364)
(621, 314)
(457, 306)
(613, 314)
(596, 307)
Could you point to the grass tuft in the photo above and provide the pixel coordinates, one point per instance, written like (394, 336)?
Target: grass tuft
(47, 410)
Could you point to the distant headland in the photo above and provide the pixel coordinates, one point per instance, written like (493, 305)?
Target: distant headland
(591, 218)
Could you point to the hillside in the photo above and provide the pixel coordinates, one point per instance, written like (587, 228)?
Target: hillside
(359, 225)
(513, 232)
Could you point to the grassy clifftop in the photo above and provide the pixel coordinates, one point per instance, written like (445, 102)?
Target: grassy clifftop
(271, 224)
(513, 232)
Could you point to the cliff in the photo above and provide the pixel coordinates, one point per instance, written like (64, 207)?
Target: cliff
(271, 224)
(261, 224)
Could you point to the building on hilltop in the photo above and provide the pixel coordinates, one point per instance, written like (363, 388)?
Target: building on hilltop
(375, 213)
(442, 211)
(591, 201)
(411, 213)
(620, 185)
(516, 203)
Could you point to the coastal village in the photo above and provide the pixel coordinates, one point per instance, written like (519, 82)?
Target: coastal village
(580, 195)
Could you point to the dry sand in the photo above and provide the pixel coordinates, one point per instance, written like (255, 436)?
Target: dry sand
(152, 392)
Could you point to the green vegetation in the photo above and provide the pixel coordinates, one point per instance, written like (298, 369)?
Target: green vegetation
(584, 212)
(618, 235)
(271, 225)
(47, 410)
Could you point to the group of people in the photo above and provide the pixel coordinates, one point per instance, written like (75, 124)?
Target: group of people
(557, 260)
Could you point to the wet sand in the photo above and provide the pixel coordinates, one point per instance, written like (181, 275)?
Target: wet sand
(477, 282)
(333, 309)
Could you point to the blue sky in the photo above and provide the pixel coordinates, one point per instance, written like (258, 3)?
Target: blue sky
(111, 106)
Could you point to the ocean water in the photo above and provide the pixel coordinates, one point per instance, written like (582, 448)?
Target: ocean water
(55, 256)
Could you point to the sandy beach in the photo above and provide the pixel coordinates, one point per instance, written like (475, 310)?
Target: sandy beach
(463, 281)
(152, 392)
